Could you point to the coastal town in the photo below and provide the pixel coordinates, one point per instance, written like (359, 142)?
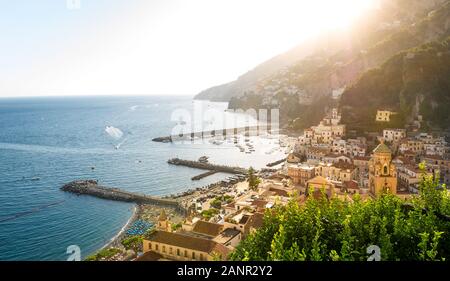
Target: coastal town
(323, 163)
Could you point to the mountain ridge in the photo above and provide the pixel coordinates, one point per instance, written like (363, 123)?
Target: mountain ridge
(309, 84)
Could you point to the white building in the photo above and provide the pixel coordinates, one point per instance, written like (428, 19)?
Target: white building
(384, 115)
(339, 146)
(394, 135)
(435, 149)
(326, 133)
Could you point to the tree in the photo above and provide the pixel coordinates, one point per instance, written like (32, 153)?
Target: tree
(216, 203)
(133, 243)
(253, 180)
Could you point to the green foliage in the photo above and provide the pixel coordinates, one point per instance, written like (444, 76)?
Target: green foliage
(208, 214)
(176, 226)
(133, 242)
(253, 180)
(313, 113)
(337, 230)
(414, 78)
(216, 256)
(219, 200)
(104, 254)
(216, 203)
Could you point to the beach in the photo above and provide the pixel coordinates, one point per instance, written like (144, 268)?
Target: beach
(144, 212)
(151, 213)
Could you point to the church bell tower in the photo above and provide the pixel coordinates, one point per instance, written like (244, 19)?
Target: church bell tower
(382, 172)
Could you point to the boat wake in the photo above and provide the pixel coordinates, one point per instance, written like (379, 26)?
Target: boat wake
(35, 210)
(50, 149)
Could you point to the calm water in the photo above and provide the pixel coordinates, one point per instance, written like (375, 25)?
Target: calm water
(46, 142)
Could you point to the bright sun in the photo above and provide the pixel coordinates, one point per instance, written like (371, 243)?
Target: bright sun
(339, 13)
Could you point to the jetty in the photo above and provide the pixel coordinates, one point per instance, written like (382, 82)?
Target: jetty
(92, 188)
(227, 132)
(276, 162)
(208, 166)
(203, 175)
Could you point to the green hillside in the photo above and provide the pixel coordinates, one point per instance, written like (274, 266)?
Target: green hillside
(413, 82)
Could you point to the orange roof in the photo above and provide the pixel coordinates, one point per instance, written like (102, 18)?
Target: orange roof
(351, 185)
(344, 165)
(188, 242)
(260, 203)
(257, 220)
(207, 228)
(149, 256)
(279, 192)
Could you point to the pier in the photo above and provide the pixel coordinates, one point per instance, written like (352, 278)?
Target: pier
(207, 166)
(92, 188)
(276, 163)
(229, 132)
(203, 175)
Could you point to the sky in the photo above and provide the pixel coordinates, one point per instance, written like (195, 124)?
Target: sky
(151, 47)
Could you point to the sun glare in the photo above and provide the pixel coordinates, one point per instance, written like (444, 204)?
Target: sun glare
(197, 43)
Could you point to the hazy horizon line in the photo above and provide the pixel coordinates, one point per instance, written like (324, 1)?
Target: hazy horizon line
(95, 95)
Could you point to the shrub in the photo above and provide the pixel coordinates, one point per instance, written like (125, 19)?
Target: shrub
(334, 229)
(208, 214)
(104, 254)
(133, 243)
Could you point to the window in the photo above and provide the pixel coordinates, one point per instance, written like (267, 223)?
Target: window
(156, 247)
(164, 249)
(178, 252)
(385, 170)
(193, 255)
(201, 257)
(150, 245)
(170, 250)
(185, 253)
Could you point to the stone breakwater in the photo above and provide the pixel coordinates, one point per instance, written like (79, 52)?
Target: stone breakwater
(207, 166)
(204, 175)
(92, 188)
(253, 130)
(276, 162)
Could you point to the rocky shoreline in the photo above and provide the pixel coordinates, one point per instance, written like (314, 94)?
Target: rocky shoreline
(92, 188)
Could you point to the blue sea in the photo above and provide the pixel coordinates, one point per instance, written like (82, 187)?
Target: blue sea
(46, 142)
